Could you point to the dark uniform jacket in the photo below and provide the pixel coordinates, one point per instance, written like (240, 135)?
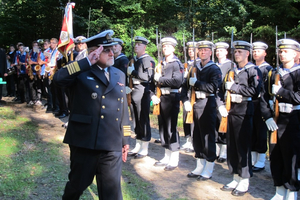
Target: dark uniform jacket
(99, 116)
(121, 62)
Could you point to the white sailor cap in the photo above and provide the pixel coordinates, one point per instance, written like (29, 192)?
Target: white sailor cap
(103, 39)
(78, 39)
(118, 41)
(242, 45)
(259, 45)
(192, 44)
(206, 44)
(169, 40)
(139, 39)
(288, 44)
(221, 45)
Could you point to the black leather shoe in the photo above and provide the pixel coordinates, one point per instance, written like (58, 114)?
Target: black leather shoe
(169, 168)
(202, 178)
(226, 188)
(131, 153)
(62, 116)
(139, 156)
(257, 169)
(235, 192)
(192, 175)
(160, 164)
(55, 111)
(221, 160)
(188, 150)
(157, 141)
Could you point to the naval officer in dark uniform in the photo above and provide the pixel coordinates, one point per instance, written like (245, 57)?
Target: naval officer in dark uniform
(98, 129)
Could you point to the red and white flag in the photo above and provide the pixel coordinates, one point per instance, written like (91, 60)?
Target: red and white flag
(66, 39)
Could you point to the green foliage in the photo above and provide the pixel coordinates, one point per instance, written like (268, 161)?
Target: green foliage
(28, 20)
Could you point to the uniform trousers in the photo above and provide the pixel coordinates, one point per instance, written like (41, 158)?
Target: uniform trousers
(260, 130)
(204, 131)
(141, 107)
(284, 155)
(85, 164)
(239, 134)
(167, 121)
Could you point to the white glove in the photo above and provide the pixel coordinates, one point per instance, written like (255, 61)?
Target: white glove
(228, 84)
(271, 124)
(222, 110)
(271, 103)
(128, 90)
(275, 88)
(185, 73)
(155, 99)
(157, 76)
(130, 69)
(193, 80)
(187, 106)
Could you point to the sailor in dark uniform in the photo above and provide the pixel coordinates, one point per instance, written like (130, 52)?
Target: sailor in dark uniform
(170, 80)
(121, 60)
(188, 128)
(142, 76)
(243, 88)
(98, 129)
(225, 65)
(284, 155)
(206, 81)
(259, 136)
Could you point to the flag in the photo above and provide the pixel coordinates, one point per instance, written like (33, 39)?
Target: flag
(66, 39)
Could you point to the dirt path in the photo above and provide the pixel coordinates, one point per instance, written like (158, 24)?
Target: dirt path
(166, 185)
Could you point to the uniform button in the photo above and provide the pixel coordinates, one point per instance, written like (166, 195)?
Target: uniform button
(102, 117)
(103, 107)
(118, 109)
(118, 99)
(103, 97)
(117, 119)
(97, 86)
(121, 90)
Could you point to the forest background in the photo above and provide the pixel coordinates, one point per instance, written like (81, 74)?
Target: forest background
(29, 20)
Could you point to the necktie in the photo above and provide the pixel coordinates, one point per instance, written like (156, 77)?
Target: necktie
(103, 74)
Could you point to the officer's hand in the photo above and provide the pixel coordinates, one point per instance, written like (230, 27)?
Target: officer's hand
(124, 152)
(229, 84)
(271, 124)
(157, 77)
(222, 110)
(187, 106)
(94, 55)
(155, 100)
(193, 80)
(185, 73)
(275, 88)
(271, 103)
(128, 90)
(130, 69)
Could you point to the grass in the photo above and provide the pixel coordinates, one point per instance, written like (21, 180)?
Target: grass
(33, 169)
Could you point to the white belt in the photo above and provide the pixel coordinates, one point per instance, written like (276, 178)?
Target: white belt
(287, 107)
(237, 98)
(168, 90)
(136, 81)
(203, 95)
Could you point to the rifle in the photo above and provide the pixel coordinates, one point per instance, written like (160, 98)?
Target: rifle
(156, 108)
(273, 136)
(213, 51)
(184, 52)
(130, 82)
(224, 121)
(190, 114)
(251, 48)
